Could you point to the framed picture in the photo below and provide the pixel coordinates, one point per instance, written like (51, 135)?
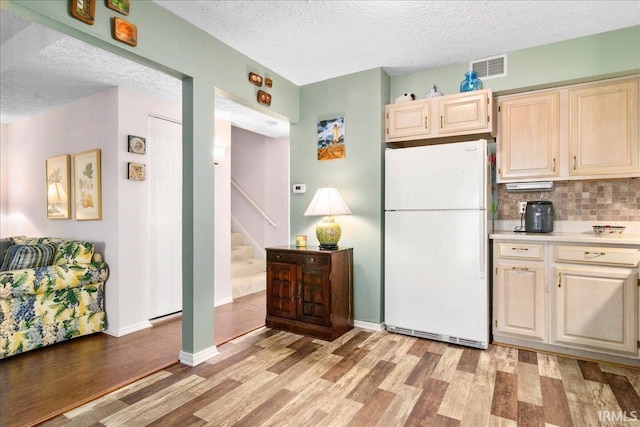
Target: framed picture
(137, 171)
(58, 186)
(137, 144)
(121, 6)
(87, 185)
(84, 10)
(255, 79)
(124, 31)
(331, 142)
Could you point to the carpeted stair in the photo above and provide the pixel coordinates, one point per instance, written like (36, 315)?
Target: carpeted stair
(248, 274)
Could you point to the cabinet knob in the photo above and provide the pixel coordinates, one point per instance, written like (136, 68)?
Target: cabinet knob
(278, 256)
(312, 259)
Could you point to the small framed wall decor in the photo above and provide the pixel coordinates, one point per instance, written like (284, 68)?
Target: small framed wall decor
(121, 6)
(255, 79)
(124, 31)
(137, 171)
(264, 98)
(268, 82)
(331, 140)
(137, 144)
(83, 10)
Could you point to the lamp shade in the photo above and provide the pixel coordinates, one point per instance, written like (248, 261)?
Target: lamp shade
(327, 201)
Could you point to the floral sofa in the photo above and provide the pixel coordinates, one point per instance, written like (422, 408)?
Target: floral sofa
(51, 290)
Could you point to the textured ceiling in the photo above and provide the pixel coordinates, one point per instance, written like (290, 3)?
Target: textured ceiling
(303, 41)
(310, 41)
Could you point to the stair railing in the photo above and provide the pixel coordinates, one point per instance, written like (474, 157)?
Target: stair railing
(246, 196)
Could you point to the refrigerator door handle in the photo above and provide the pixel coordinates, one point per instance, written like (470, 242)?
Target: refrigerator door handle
(483, 245)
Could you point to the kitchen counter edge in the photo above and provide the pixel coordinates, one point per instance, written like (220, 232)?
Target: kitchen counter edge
(622, 239)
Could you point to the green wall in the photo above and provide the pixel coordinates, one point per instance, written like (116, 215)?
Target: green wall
(360, 98)
(599, 56)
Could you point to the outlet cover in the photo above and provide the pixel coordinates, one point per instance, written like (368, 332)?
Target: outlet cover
(522, 206)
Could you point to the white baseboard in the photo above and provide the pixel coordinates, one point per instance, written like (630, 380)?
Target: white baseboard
(194, 359)
(378, 327)
(129, 329)
(222, 301)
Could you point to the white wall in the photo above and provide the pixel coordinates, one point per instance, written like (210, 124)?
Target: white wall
(260, 166)
(100, 121)
(222, 232)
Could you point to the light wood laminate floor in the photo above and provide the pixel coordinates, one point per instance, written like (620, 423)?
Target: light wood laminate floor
(43, 383)
(364, 378)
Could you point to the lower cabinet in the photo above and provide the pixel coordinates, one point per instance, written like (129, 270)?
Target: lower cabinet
(566, 296)
(595, 308)
(310, 292)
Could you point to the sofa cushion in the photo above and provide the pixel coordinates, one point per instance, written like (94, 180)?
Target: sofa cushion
(19, 257)
(5, 243)
(23, 240)
(73, 251)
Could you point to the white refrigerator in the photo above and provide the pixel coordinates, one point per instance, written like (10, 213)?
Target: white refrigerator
(436, 242)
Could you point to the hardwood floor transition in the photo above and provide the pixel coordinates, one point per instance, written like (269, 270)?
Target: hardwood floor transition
(43, 383)
(364, 378)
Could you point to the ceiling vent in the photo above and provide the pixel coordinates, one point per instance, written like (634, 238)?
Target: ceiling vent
(489, 68)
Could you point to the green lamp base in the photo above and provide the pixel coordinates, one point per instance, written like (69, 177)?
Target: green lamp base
(328, 233)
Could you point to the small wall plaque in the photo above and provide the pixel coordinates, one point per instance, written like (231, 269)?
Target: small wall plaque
(264, 98)
(255, 79)
(137, 171)
(124, 31)
(268, 82)
(84, 10)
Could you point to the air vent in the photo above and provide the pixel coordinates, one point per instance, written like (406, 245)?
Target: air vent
(489, 68)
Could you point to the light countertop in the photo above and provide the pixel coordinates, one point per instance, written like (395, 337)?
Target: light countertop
(569, 231)
(585, 237)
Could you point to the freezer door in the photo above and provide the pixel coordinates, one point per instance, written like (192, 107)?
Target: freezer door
(436, 273)
(445, 176)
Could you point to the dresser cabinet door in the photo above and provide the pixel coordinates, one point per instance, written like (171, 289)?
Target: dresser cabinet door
(314, 296)
(281, 290)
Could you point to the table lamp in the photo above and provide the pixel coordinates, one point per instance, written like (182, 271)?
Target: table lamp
(327, 202)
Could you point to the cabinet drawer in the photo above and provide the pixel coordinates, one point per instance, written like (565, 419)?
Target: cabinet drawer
(597, 255)
(520, 251)
(298, 258)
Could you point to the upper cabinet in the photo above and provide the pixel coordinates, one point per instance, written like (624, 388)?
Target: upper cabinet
(586, 131)
(469, 113)
(530, 135)
(603, 131)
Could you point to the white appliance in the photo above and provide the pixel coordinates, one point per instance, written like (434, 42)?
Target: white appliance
(436, 242)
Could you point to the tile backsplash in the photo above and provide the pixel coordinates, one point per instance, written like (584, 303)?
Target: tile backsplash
(601, 200)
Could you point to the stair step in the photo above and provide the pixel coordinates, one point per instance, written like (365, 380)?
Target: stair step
(248, 267)
(242, 286)
(239, 253)
(236, 239)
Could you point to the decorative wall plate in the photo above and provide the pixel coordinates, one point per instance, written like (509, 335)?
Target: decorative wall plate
(137, 144)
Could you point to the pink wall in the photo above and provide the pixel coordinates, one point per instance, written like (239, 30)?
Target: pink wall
(260, 166)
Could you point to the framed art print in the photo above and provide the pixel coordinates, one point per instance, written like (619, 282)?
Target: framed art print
(87, 185)
(331, 141)
(137, 171)
(58, 186)
(124, 31)
(137, 144)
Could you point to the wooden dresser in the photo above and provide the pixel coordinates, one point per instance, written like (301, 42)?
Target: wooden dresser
(310, 291)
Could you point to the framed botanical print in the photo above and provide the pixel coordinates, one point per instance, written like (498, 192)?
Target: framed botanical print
(58, 186)
(87, 185)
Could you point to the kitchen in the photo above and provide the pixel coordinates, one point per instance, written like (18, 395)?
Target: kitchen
(560, 286)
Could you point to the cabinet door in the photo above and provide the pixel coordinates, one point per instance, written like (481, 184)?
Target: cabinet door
(408, 119)
(314, 295)
(281, 290)
(464, 113)
(520, 303)
(595, 308)
(529, 139)
(604, 129)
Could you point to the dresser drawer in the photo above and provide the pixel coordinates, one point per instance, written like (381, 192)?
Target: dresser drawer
(597, 255)
(521, 251)
(298, 258)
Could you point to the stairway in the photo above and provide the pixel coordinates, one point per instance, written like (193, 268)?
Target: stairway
(248, 274)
